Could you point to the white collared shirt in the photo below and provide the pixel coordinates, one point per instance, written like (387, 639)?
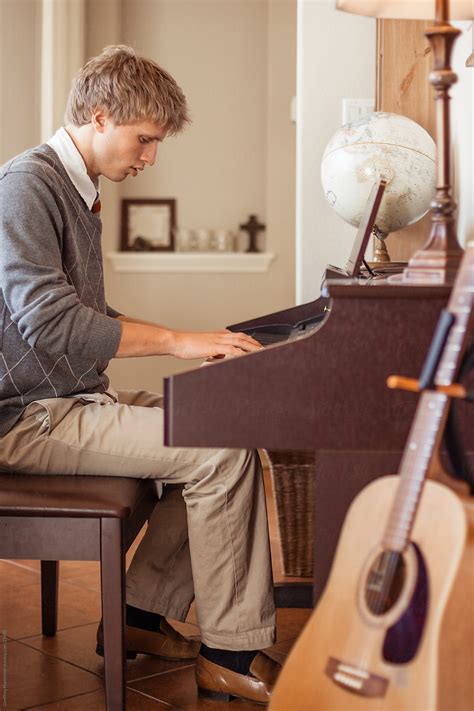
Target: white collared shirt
(74, 166)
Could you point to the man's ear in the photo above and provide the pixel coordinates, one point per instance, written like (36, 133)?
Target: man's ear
(99, 121)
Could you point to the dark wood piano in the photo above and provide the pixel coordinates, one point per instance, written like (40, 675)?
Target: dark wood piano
(322, 391)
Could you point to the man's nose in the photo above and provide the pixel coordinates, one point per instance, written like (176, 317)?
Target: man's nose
(148, 155)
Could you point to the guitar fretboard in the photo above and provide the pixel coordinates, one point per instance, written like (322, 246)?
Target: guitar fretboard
(431, 413)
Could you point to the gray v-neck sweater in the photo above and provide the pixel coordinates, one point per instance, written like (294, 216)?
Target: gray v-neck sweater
(57, 333)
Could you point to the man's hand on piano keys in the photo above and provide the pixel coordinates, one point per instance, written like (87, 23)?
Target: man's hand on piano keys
(143, 338)
(212, 346)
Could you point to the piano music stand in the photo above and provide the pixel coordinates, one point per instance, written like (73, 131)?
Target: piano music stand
(366, 227)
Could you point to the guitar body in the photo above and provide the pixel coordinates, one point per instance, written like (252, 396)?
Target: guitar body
(339, 663)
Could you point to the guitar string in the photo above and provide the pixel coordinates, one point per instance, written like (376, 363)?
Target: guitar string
(419, 467)
(376, 599)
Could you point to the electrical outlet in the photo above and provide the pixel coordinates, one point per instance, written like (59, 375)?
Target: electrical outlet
(355, 109)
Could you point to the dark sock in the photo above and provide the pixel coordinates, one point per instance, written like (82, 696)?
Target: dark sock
(235, 661)
(142, 618)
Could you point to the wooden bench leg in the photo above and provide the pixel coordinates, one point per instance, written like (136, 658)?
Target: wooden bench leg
(49, 596)
(113, 612)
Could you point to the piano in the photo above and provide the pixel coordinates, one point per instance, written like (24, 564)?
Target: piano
(323, 391)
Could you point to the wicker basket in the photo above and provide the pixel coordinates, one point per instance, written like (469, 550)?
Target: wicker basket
(292, 476)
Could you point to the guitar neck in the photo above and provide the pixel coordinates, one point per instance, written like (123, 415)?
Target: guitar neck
(428, 424)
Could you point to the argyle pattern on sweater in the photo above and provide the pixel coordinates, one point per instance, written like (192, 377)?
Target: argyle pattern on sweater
(57, 332)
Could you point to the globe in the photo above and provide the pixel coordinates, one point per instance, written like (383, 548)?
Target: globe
(380, 145)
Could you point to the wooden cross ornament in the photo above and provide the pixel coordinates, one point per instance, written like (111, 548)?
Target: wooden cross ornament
(253, 227)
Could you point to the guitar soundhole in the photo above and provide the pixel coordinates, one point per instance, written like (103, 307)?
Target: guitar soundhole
(403, 638)
(384, 582)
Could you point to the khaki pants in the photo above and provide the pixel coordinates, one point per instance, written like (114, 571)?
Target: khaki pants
(208, 540)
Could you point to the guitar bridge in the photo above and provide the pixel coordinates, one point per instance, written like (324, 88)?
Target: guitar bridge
(352, 678)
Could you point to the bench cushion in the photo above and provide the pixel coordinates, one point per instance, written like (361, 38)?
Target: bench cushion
(67, 495)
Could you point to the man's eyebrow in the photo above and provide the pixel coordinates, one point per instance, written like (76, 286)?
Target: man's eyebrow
(152, 137)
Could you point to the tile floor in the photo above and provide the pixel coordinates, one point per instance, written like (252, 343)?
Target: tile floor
(64, 673)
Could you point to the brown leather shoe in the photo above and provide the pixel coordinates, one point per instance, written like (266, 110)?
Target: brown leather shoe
(166, 643)
(220, 683)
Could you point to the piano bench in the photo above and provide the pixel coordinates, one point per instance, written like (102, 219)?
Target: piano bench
(51, 518)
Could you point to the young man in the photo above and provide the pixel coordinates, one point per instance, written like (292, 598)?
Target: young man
(59, 413)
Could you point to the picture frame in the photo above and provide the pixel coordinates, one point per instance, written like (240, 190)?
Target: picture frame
(148, 225)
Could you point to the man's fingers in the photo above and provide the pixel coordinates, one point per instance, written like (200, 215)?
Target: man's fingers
(212, 345)
(247, 346)
(229, 350)
(242, 340)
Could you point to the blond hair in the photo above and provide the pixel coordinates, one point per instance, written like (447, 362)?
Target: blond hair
(128, 88)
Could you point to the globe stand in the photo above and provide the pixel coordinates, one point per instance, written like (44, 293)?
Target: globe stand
(438, 261)
(381, 252)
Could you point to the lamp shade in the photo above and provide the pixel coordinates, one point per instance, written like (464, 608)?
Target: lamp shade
(407, 9)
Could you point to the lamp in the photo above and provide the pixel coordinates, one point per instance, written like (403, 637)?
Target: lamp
(437, 262)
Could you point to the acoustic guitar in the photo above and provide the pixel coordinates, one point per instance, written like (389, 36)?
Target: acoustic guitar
(394, 630)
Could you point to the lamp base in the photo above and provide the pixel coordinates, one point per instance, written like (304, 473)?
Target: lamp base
(432, 267)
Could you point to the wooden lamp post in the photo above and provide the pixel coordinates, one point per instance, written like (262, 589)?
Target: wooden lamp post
(438, 260)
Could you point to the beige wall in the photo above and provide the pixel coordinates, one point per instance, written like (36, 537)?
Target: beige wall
(236, 62)
(336, 59)
(217, 52)
(20, 54)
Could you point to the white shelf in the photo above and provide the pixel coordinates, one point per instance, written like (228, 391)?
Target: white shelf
(223, 262)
